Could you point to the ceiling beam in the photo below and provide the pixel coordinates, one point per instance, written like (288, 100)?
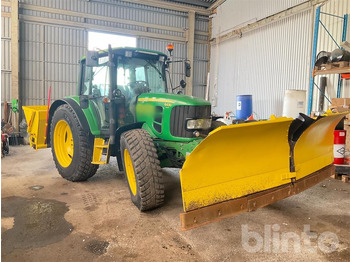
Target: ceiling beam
(87, 26)
(216, 4)
(194, 2)
(170, 6)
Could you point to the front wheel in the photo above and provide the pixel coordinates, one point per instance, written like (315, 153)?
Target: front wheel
(71, 146)
(142, 169)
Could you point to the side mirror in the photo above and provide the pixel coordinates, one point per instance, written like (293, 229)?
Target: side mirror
(187, 69)
(183, 83)
(92, 58)
(84, 101)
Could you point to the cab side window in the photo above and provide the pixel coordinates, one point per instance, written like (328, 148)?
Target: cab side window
(85, 80)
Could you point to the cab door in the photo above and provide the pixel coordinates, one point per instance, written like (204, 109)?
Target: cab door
(95, 86)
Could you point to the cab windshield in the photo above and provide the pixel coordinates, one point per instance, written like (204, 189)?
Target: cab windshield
(134, 77)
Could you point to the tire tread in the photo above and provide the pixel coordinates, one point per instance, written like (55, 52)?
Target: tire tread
(147, 168)
(85, 169)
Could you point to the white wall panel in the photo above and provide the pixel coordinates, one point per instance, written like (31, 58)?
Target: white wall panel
(264, 63)
(238, 13)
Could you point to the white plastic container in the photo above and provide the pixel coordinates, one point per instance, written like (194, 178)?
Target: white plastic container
(294, 103)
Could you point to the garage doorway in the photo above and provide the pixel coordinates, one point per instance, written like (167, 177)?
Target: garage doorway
(100, 41)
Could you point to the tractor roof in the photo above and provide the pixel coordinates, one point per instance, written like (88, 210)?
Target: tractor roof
(121, 51)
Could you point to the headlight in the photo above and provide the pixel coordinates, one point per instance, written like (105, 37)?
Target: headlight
(198, 124)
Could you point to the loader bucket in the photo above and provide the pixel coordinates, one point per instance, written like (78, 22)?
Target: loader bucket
(240, 168)
(36, 120)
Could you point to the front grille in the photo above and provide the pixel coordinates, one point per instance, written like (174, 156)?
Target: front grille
(180, 114)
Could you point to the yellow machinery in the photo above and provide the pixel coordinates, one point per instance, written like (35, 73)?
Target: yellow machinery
(236, 168)
(36, 120)
(243, 167)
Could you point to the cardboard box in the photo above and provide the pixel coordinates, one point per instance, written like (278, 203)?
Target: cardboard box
(340, 105)
(341, 101)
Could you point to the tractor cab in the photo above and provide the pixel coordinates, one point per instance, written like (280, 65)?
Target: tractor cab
(121, 75)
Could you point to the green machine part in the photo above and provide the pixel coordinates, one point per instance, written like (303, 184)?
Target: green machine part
(14, 105)
(155, 110)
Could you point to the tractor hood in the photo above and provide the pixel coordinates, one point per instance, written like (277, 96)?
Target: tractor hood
(166, 115)
(173, 99)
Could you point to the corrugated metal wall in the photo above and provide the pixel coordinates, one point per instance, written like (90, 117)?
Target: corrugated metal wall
(237, 13)
(5, 57)
(52, 41)
(325, 43)
(267, 61)
(50, 56)
(264, 62)
(201, 59)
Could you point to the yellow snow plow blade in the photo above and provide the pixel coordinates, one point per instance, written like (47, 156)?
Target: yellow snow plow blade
(314, 149)
(243, 167)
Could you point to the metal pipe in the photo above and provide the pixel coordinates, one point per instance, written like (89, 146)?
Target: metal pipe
(330, 35)
(323, 84)
(332, 15)
(345, 27)
(112, 82)
(314, 50)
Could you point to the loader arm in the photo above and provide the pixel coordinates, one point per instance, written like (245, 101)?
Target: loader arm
(240, 168)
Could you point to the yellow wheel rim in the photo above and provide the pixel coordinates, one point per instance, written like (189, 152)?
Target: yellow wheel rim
(130, 173)
(63, 143)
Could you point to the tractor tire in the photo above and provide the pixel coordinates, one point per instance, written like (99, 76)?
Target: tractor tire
(142, 169)
(71, 145)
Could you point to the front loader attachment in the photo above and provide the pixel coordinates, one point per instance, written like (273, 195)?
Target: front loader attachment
(243, 167)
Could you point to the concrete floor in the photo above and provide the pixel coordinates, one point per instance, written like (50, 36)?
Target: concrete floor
(46, 218)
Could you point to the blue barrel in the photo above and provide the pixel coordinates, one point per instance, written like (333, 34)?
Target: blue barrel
(244, 106)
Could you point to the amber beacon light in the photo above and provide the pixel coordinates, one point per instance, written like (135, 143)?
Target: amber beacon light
(170, 48)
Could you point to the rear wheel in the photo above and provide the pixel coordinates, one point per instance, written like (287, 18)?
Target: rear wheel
(142, 169)
(71, 146)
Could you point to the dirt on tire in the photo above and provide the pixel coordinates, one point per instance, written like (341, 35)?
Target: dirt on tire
(148, 174)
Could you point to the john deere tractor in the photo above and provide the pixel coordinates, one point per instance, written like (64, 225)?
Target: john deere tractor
(123, 108)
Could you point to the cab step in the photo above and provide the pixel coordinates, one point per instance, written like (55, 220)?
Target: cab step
(101, 152)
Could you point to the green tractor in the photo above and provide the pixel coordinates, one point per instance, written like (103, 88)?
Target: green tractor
(123, 109)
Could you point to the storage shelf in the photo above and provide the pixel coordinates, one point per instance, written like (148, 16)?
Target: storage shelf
(335, 70)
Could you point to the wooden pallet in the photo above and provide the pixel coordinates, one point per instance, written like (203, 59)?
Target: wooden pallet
(333, 65)
(344, 178)
(342, 172)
